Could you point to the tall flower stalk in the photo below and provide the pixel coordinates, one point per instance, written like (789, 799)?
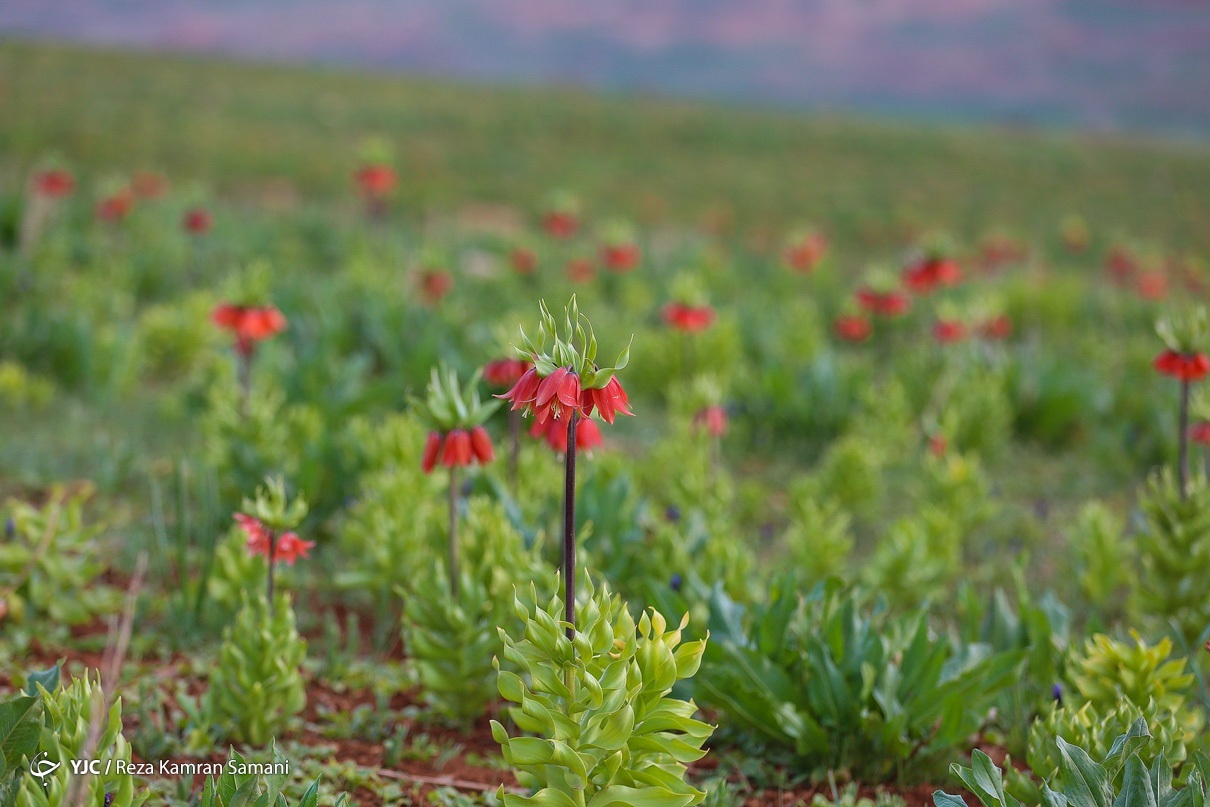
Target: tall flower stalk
(565, 384)
(269, 520)
(458, 439)
(249, 325)
(1184, 360)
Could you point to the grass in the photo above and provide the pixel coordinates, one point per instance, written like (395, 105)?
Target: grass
(283, 134)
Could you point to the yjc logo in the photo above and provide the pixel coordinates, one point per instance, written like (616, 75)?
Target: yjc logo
(42, 768)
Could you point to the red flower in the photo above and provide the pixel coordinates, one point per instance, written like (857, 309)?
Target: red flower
(1120, 264)
(432, 448)
(503, 373)
(620, 257)
(558, 392)
(581, 270)
(457, 449)
(1184, 366)
(688, 318)
(560, 224)
(948, 331)
(54, 183)
(197, 221)
(999, 327)
(435, 284)
(1200, 433)
(554, 432)
(938, 445)
(116, 207)
(524, 261)
(481, 446)
(852, 328)
(884, 303)
(1152, 285)
(805, 255)
(609, 400)
(249, 323)
(523, 393)
(931, 273)
(713, 419)
(148, 185)
(376, 181)
(287, 549)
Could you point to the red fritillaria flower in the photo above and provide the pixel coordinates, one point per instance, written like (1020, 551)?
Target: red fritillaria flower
(928, 274)
(949, 331)
(116, 206)
(713, 419)
(609, 400)
(288, 547)
(457, 450)
(884, 303)
(560, 224)
(1152, 285)
(998, 327)
(523, 260)
(148, 185)
(435, 284)
(805, 254)
(548, 397)
(1121, 264)
(481, 446)
(376, 181)
(1200, 432)
(1183, 366)
(581, 270)
(620, 257)
(503, 373)
(54, 183)
(938, 445)
(432, 450)
(554, 433)
(688, 318)
(852, 328)
(249, 323)
(197, 221)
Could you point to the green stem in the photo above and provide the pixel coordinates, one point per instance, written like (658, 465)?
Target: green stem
(453, 548)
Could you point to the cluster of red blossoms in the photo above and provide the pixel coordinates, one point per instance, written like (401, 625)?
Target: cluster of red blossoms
(435, 284)
(620, 257)
(376, 181)
(197, 221)
(287, 549)
(54, 183)
(524, 260)
(581, 270)
(688, 318)
(852, 328)
(116, 206)
(249, 323)
(804, 254)
(884, 303)
(560, 223)
(554, 432)
(559, 393)
(503, 373)
(457, 448)
(1183, 366)
(929, 274)
(713, 419)
(949, 331)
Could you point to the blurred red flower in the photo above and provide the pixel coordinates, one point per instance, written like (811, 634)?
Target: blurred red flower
(197, 221)
(713, 419)
(609, 400)
(503, 373)
(1183, 366)
(688, 318)
(852, 328)
(116, 206)
(620, 257)
(435, 284)
(524, 261)
(928, 274)
(805, 254)
(884, 303)
(287, 549)
(249, 323)
(149, 185)
(949, 331)
(54, 183)
(560, 224)
(376, 181)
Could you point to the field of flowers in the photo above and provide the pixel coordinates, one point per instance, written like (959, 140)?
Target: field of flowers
(465, 447)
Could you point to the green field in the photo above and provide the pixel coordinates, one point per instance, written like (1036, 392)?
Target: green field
(918, 450)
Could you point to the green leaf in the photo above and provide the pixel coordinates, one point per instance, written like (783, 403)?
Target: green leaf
(1136, 786)
(48, 679)
(941, 799)
(19, 729)
(1085, 783)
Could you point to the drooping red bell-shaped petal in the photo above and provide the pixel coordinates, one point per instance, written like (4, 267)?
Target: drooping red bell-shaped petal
(525, 391)
(1183, 366)
(457, 450)
(481, 446)
(432, 448)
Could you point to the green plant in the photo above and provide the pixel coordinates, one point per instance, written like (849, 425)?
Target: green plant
(607, 731)
(1121, 778)
(51, 560)
(845, 686)
(20, 732)
(819, 537)
(1174, 553)
(80, 724)
(256, 785)
(1108, 671)
(918, 559)
(848, 797)
(1100, 554)
(256, 686)
(451, 636)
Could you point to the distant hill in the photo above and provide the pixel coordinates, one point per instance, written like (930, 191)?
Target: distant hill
(1100, 64)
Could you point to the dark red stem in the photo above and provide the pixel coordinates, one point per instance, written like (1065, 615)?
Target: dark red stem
(569, 528)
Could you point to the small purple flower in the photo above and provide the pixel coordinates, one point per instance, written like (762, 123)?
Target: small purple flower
(676, 582)
(10, 529)
(108, 799)
(1056, 692)
(673, 513)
